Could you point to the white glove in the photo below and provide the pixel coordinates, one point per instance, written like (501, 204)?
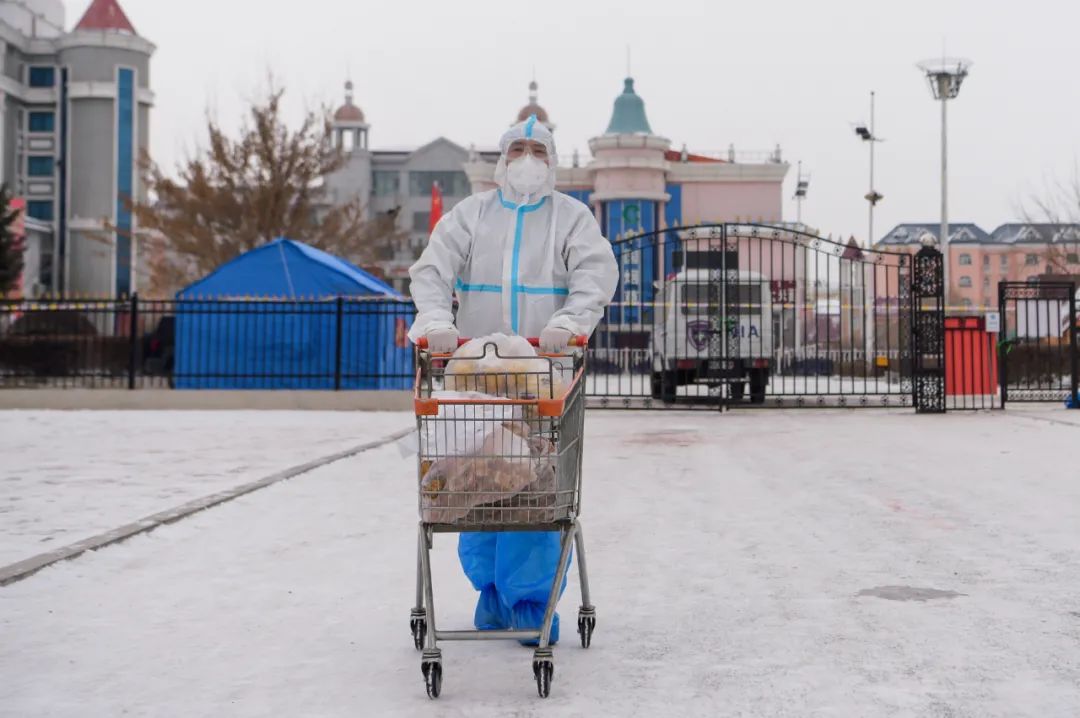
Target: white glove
(442, 341)
(555, 340)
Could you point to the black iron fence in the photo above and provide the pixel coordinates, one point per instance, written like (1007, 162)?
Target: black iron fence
(742, 315)
(703, 317)
(337, 343)
(1040, 341)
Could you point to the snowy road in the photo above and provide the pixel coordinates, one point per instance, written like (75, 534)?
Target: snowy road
(67, 475)
(737, 563)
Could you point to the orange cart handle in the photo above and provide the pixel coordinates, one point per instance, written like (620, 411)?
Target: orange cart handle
(580, 340)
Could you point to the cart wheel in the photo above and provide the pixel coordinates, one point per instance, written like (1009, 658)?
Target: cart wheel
(543, 671)
(418, 626)
(586, 624)
(432, 678)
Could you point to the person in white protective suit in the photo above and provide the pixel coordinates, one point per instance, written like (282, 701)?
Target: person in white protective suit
(525, 260)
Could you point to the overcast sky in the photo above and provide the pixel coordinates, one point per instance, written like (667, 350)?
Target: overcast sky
(753, 73)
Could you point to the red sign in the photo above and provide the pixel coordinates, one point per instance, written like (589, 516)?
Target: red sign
(783, 291)
(436, 207)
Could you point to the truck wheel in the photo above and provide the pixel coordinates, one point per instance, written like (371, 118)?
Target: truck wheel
(738, 389)
(663, 386)
(758, 381)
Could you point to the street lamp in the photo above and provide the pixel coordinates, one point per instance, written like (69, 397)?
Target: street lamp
(801, 186)
(945, 77)
(866, 134)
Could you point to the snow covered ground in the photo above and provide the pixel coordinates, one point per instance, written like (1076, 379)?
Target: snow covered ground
(68, 475)
(803, 563)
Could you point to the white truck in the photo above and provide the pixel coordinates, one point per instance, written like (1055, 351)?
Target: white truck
(689, 311)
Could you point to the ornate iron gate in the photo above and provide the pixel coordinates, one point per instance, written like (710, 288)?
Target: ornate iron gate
(744, 315)
(928, 331)
(1039, 346)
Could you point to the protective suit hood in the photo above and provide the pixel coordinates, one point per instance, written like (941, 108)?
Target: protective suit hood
(530, 129)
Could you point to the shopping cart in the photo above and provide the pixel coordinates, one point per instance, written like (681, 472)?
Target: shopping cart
(499, 452)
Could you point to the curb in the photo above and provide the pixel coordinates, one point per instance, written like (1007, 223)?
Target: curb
(203, 400)
(27, 567)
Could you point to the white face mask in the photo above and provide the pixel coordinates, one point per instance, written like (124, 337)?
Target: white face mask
(527, 174)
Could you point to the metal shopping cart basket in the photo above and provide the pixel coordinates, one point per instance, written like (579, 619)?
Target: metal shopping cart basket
(499, 452)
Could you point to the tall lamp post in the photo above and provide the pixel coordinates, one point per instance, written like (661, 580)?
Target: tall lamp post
(802, 184)
(945, 77)
(866, 134)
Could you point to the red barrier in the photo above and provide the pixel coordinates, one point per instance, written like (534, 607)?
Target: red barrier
(971, 365)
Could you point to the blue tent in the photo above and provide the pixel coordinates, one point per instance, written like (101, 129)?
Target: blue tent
(289, 316)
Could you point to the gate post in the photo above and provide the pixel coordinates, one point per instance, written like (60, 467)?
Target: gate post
(928, 331)
(1002, 345)
(1074, 351)
(133, 340)
(340, 310)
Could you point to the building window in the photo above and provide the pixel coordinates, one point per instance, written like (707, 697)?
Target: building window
(986, 260)
(1004, 261)
(967, 303)
(420, 221)
(42, 121)
(385, 183)
(40, 209)
(452, 184)
(965, 281)
(42, 76)
(986, 282)
(41, 166)
(1031, 259)
(1072, 258)
(965, 260)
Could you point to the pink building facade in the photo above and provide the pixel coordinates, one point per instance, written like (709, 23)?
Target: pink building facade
(635, 182)
(979, 260)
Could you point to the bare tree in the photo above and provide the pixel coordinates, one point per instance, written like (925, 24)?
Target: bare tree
(1057, 209)
(236, 194)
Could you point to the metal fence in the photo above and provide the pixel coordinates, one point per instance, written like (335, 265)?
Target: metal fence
(703, 317)
(1040, 349)
(337, 343)
(744, 315)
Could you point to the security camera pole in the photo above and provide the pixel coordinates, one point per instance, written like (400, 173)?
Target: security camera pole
(945, 77)
(802, 184)
(866, 134)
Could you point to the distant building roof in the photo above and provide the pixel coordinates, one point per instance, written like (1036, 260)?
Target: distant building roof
(349, 112)
(913, 233)
(852, 250)
(534, 108)
(105, 15)
(676, 156)
(628, 117)
(1006, 234)
(1037, 233)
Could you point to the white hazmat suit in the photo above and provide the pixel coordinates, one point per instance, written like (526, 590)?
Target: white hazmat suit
(521, 262)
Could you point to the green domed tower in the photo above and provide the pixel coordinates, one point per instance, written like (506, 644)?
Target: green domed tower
(628, 118)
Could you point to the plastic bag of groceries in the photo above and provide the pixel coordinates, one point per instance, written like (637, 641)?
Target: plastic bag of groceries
(479, 454)
(502, 365)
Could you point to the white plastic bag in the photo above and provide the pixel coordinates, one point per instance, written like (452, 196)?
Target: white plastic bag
(505, 366)
(459, 429)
